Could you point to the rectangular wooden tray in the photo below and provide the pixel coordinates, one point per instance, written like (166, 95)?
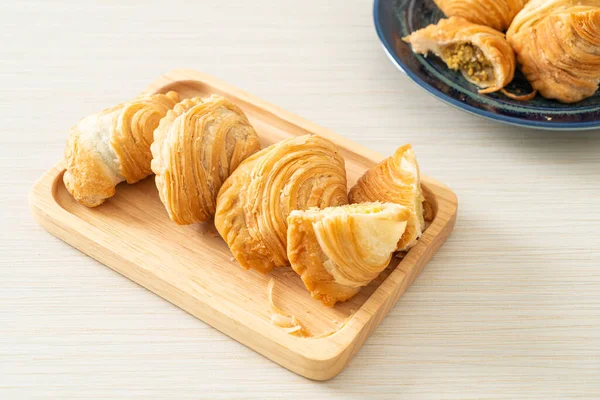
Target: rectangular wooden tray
(191, 266)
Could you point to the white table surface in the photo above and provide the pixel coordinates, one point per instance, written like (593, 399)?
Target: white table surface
(509, 307)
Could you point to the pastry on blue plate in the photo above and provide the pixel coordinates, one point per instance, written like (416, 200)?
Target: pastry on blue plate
(497, 14)
(558, 47)
(480, 53)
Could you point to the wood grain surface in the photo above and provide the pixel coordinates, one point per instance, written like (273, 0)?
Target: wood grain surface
(509, 308)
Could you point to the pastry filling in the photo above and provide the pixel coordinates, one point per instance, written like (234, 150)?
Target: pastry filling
(358, 240)
(470, 60)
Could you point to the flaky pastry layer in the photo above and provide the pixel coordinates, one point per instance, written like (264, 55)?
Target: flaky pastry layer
(197, 146)
(497, 14)
(254, 203)
(338, 250)
(558, 47)
(396, 179)
(113, 146)
(491, 61)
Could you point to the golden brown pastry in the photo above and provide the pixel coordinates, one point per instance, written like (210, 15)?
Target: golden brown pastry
(558, 47)
(395, 180)
(254, 203)
(480, 53)
(497, 14)
(113, 146)
(196, 147)
(338, 250)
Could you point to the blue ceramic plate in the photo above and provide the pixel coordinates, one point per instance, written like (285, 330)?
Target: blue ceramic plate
(395, 19)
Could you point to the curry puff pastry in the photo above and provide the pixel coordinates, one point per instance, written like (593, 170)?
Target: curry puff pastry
(254, 203)
(558, 47)
(338, 250)
(113, 146)
(497, 14)
(196, 147)
(395, 180)
(480, 53)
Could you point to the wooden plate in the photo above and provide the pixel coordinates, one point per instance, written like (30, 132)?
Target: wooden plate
(191, 266)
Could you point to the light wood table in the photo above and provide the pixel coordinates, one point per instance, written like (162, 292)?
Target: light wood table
(509, 308)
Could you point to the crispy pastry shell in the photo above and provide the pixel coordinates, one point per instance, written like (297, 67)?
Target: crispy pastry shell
(558, 47)
(497, 14)
(197, 146)
(254, 203)
(338, 250)
(395, 180)
(113, 146)
(456, 31)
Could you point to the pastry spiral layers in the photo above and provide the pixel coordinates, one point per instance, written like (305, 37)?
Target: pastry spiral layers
(338, 250)
(254, 203)
(558, 47)
(113, 146)
(395, 180)
(480, 53)
(197, 146)
(497, 14)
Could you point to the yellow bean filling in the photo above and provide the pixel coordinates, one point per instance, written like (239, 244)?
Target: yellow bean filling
(468, 59)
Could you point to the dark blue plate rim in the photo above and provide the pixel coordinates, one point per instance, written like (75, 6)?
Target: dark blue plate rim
(389, 50)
